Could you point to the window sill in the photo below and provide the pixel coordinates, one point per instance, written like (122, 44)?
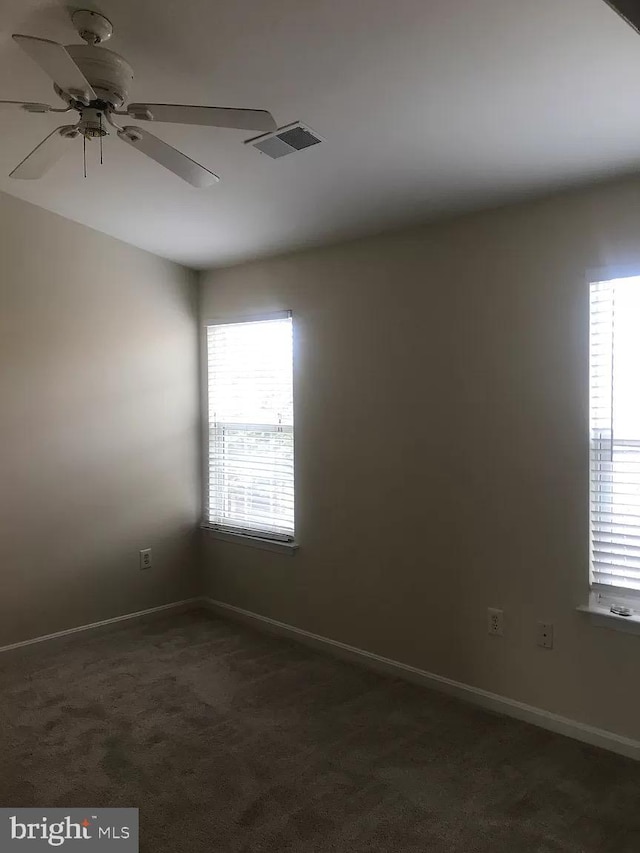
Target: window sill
(604, 618)
(275, 545)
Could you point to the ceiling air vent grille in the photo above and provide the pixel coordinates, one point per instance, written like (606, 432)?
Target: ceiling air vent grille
(286, 140)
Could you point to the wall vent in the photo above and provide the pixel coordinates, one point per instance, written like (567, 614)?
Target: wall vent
(286, 140)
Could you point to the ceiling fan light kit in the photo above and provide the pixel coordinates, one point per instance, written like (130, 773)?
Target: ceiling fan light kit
(95, 82)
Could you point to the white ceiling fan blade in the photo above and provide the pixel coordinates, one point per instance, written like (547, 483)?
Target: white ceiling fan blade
(209, 116)
(25, 106)
(46, 154)
(173, 160)
(55, 60)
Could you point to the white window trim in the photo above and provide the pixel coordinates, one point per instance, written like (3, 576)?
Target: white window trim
(598, 609)
(279, 545)
(602, 597)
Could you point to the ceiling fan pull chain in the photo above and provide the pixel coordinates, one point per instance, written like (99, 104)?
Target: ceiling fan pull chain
(101, 139)
(84, 154)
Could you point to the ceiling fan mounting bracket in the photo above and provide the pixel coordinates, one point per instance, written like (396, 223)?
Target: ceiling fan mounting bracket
(93, 27)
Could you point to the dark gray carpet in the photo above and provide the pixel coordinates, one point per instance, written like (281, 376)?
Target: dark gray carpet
(230, 741)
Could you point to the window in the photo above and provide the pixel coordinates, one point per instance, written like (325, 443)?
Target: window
(615, 433)
(250, 437)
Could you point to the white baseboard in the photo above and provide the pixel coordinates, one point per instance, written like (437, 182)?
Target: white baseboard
(490, 701)
(186, 604)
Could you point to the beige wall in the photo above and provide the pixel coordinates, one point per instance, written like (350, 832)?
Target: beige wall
(98, 400)
(441, 449)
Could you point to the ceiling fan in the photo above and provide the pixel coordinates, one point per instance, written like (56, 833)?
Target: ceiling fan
(94, 82)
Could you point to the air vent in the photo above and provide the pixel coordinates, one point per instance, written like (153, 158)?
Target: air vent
(286, 140)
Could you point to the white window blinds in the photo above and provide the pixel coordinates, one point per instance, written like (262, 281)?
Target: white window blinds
(615, 432)
(250, 441)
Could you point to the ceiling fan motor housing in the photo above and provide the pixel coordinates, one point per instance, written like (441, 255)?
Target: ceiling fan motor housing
(108, 73)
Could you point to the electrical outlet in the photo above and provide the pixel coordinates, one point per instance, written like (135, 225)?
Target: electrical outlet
(544, 635)
(495, 621)
(145, 559)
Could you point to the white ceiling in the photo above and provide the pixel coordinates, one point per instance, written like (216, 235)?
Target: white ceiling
(427, 107)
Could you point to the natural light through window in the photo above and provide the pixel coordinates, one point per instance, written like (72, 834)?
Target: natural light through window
(615, 433)
(250, 485)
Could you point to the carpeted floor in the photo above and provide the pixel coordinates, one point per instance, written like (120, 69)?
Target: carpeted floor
(229, 741)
